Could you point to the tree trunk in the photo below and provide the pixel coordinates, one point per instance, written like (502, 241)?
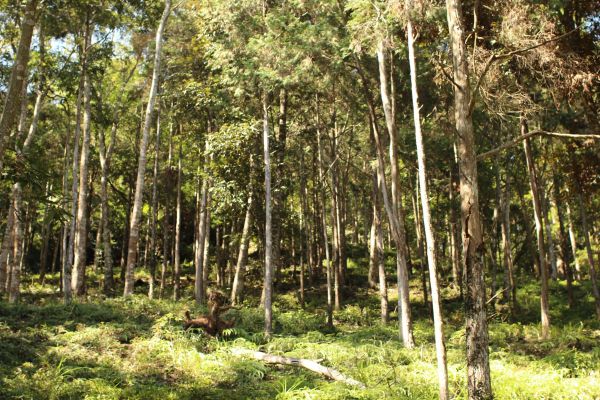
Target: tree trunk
(153, 255)
(7, 243)
(136, 214)
(563, 241)
(375, 221)
(12, 101)
(573, 241)
(551, 252)
(396, 213)
(478, 366)
(80, 240)
(68, 267)
(268, 281)
(237, 291)
(177, 264)
(537, 209)
(17, 237)
(588, 248)
(378, 255)
(199, 292)
(510, 288)
(440, 346)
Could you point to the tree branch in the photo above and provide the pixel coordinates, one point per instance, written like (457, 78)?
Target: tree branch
(498, 57)
(519, 139)
(301, 362)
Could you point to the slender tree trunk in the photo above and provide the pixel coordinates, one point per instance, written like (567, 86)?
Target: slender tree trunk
(201, 237)
(322, 178)
(154, 258)
(206, 254)
(237, 291)
(80, 240)
(177, 264)
(547, 225)
(440, 345)
(379, 255)
(537, 209)
(166, 224)
(108, 282)
(65, 225)
(15, 264)
(136, 214)
(335, 241)
(563, 241)
(268, 281)
(588, 247)
(573, 241)
(12, 101)
(510, 288)
(7, 243)
(415, 199)
(68, 268)
(397, 214)
(478, 366)
(454, 238)
(373, 271)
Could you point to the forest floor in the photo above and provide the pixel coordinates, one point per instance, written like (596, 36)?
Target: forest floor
(135, 348)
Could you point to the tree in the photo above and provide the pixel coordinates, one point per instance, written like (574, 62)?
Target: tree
(478, 365)
(429, 236)
(17, 80)
(136, 213)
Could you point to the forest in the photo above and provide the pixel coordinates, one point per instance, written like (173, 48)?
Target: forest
(299, 199)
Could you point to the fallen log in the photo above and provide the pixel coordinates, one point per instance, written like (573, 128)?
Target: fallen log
(301, 362)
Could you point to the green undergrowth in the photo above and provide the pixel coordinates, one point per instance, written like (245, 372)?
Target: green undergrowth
(135, 348)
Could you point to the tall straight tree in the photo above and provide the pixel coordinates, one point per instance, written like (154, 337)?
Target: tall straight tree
(17, 79)
(539, 230)
(80, 239)
(478, 364)
(268, 281)
(397, 212)
(438, 323)
(136, 214)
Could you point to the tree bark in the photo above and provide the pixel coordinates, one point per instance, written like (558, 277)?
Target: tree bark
(237, 291)
(588, 248)
(7, 242)
(537, 209)
(562, 239)
(438, 323)
(378, 256)
(395, 210)
(136, 213)
(177, 263)
(80, 240)
(268, 279)
(12, 101)
(510, 288)
(478, 367)
(17, 249)
(573, 241)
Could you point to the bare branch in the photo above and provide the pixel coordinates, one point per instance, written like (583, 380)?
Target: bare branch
(519, 139)
(498, 57)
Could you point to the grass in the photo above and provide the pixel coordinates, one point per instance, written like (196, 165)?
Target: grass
(135, 348)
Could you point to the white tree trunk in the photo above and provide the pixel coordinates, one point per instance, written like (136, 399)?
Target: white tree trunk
(438, 323)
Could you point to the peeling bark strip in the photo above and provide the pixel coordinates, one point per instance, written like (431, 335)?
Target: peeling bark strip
(301, 362)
